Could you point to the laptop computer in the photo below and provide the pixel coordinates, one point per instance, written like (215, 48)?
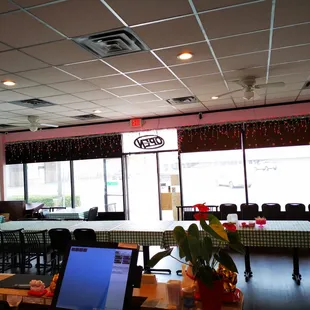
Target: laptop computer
(96, 276)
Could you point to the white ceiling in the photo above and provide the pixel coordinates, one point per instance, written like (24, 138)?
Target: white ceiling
(229, 40)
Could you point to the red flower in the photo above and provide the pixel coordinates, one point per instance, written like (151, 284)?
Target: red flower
(201, 216)
(201, 207)
(229, 226)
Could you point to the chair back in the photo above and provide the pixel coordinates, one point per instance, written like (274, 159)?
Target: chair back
(227, 208)
(60, 237)
(92, 214)
(271, 211)
(36, 241)
(13, 237)
(111, 216)
(249, 211)
(84, 234)
(295, 211)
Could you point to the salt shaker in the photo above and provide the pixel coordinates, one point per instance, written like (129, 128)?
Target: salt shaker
(174, 292)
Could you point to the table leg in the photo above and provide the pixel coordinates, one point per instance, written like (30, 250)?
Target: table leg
(248, 272)
(296, 276)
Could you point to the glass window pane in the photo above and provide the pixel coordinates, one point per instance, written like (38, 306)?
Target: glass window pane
(14, 182)
(279, 174)
(213, 177)
(49, 183)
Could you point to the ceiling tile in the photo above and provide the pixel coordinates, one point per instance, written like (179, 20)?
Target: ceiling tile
(59, 53)
(9, 106)
(286, 94)
(54, 108)
(290, 78)
(166, 85)
(9, 95)
(184, 107)
(89, 69)
(174, 94)
(142, 98)
(154, 75)
(239, 74)
(112, 114)
(20, 82)
(203, 5)
(39, 91)
(29, 3)
(110, 102)
(128, 109)
(112, 81)
(24, 30)
(290, 36)
(203, 80)
(50, 116)
(94, 95)
(76, 18)
(8, 115)
(6, 6)
(134, 62)
(247, 22)
(63, 99)
(130, 11)
(75, 86)
(244, 61)
(220, 106)
(242, 44)
(289, 68)
(281, 100)
(250, 103)
(15, 61)
(29, 112)
(200, 51)
(102, 114)
(194, 69)
(290, 54)
(4, 47)
(47, 76)
(170, 33)
(83, 105)
(207, 96)
(291, 12)
(287, 87)
(128, 90)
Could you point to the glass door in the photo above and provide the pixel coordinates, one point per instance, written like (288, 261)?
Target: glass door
(143, 198)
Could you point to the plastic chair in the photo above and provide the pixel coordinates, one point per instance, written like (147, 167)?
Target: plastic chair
(92, 214)
(84, 234)
(227, 208)
(249, 211)
(271, 211)
(295, 211)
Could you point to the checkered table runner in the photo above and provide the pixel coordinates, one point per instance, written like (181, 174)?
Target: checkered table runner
(280, 234)
(82, 215)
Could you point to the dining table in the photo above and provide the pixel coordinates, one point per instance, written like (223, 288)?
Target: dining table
(68, 214)
(34, 207)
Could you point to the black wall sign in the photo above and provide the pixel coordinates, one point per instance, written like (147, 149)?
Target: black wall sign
(149, 142)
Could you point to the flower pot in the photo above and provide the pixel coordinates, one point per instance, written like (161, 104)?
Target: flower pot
(211, 297)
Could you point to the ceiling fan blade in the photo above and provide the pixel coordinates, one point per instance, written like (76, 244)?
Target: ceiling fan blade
(269, 85)
(49, 125)
(228, 93)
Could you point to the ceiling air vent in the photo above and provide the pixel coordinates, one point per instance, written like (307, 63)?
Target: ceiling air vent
(87, 117)
(306, 85)
(183, 100)
(112, 43)
(32, 103)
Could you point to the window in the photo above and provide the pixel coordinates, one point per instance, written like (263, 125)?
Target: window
(279, 175)
(50, 183)
(14, 182)
(213, 177)
(98, 183)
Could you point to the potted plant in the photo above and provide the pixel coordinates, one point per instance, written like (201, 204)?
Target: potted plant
(203, 250)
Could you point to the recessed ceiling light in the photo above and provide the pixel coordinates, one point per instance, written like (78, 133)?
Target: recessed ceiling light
(214, 97)
(185, 56)
(8, 83)
(97, 111)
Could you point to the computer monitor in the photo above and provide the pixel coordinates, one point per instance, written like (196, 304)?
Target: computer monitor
(97, 276)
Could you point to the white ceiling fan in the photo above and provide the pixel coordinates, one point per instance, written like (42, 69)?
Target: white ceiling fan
(34, 123)
(249, 86)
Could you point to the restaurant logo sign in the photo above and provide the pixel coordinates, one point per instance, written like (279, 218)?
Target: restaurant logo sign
(149, 142)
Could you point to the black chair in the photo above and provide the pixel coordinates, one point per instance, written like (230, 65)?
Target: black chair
(227, 208)
(249, 211)
(271, 211)
(92, 214)
(111, 216)
(84, 234)
(60, 237)
(35, 248)
(12, 249)
(295, 211)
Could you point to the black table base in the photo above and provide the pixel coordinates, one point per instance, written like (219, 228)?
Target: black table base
(296, 276)
(248, 272)
(146, 258)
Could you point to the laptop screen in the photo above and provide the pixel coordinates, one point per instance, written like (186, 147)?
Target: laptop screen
(94, 278)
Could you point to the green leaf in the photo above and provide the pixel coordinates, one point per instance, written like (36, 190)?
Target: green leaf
(206, 248)
(205, 274)
(194, 246)
(157, 257)
(210, 231)
(193, 231)
(213, 220)
(225, 259)
(184, 247)
(235, 243)
(179, 234)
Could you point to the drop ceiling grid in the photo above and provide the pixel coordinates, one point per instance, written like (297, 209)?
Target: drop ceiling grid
(247, 43)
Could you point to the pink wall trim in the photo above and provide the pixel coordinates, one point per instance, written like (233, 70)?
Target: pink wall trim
(168, 122)
(2, 167)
